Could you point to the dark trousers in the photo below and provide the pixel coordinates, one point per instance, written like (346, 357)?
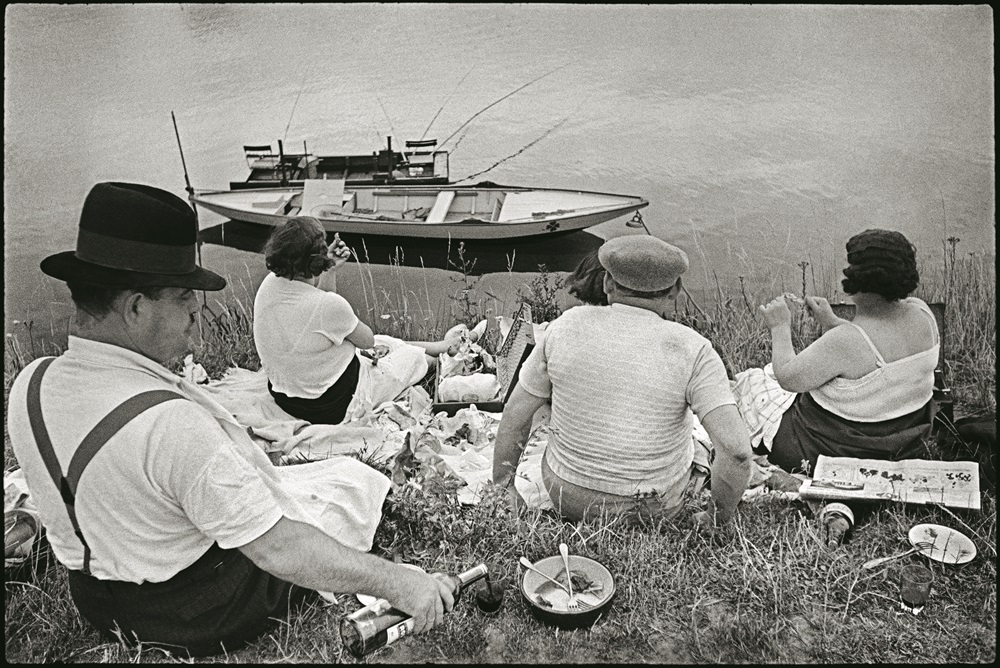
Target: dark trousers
(328, 408)
(222, 601)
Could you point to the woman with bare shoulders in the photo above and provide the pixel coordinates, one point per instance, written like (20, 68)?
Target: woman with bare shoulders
(865, 386)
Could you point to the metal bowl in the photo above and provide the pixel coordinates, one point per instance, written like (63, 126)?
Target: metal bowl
(567, 619)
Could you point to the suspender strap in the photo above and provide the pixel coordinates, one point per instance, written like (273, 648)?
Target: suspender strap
(92, 443)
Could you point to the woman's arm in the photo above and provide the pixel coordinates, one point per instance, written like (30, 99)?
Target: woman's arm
(826, 358)
(340, 254)
(362, 336)
(823, 314)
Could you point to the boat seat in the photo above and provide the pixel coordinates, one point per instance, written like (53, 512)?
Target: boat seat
(274, 206)
(325, 193)
(441, 206)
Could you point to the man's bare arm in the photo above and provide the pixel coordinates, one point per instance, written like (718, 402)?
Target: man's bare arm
(512, 434)
(305, 556)
(733, 459)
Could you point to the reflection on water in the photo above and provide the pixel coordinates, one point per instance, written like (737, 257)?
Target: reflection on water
(558, 252)
(762, 136)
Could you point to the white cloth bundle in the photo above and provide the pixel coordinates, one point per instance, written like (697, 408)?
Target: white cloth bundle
(474, 387)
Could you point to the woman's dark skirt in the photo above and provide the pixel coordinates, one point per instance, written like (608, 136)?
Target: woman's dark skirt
(328, 408)
(808, 430)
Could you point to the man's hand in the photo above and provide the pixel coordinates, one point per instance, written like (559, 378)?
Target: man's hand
(424, 597)
(338, 252)
(708, 520)
(517, 501)
(776, 313)
(703, 521)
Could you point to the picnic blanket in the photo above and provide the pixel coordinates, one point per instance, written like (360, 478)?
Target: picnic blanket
(460, 446)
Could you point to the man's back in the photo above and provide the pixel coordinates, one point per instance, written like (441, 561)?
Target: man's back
(623, 383)
(150, 502)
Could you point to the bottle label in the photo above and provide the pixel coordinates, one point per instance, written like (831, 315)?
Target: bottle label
(401, 630)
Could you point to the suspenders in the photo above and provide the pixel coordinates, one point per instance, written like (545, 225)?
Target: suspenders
(92, 443)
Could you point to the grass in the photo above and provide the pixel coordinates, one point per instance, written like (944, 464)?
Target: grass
(764, 590)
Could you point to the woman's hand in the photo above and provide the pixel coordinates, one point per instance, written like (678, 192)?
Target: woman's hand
(453, 343)
(338, 252)
(821, 311)
(776, 313)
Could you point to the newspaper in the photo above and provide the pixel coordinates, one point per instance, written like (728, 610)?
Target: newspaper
(951, 484)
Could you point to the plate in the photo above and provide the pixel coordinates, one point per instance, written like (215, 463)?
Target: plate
(948, 546)
(366, 600)
(534, 586)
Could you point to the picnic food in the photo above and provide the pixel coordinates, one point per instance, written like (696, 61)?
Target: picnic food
(468, 373)
(792, 297)
(549, 595)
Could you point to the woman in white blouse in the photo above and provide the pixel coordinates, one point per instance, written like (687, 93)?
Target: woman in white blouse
(323, 364)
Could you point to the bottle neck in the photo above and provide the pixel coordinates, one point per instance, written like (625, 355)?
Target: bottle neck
(472, 575)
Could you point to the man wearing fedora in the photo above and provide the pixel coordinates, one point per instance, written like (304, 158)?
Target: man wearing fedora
(623, 381)
(173, 524)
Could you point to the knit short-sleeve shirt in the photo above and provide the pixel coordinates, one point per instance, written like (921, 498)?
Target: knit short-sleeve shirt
(623, 383)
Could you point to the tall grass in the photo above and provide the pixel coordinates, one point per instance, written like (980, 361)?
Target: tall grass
(967, 285)
(763, 591)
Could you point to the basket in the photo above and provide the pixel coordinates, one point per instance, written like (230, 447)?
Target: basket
(514, 349)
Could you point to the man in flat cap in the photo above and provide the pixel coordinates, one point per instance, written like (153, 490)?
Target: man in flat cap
(173, 524)
(623, 381)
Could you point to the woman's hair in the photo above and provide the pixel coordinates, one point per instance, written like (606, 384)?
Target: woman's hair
(881, 262)
(586, 282)
(297, 248)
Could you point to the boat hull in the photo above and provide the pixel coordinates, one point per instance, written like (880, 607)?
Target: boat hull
(469, 228)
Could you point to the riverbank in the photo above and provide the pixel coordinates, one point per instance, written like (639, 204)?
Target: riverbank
(765, 590)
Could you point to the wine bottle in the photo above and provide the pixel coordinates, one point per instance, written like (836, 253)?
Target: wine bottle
(380, 624)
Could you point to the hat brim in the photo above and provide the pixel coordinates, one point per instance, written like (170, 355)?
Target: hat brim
(66, 266)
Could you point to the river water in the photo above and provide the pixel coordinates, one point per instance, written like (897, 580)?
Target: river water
(762, 136)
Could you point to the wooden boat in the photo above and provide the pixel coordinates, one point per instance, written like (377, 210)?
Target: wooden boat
(484, 211)
(419, 164)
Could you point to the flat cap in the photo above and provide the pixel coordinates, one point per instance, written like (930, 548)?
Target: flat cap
(642, 262)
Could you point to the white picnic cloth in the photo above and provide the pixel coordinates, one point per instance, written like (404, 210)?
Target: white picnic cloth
(761, 402)
(18, 509)
(463, 443)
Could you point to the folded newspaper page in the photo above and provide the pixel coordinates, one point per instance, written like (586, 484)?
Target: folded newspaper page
(951, 484)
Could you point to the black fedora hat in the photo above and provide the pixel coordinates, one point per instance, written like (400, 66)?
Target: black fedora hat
(134, 236)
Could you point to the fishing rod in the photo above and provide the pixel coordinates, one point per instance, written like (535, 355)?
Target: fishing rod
(446, 102)
(392, 129)
(190, 192)
(281, 161)
(515, 154)
(302, 87)
(493, 104)
(457, 143)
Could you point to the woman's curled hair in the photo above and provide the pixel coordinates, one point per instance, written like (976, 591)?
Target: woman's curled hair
(881, 262)
(297, 249)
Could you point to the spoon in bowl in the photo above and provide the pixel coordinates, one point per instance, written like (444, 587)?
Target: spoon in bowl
(531, 567)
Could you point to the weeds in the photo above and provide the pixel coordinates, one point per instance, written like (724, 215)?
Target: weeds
(761, 591)
(540, 294)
